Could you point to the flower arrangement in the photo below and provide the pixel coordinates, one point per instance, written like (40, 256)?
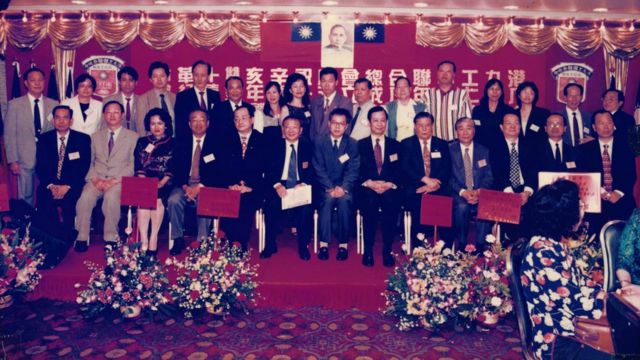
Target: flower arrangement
(129, 282)
(214, 276)
(19, 261)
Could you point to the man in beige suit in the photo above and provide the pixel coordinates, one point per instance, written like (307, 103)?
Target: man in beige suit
(111, 158)
(127, 81)
(27, 117)
(158, 97)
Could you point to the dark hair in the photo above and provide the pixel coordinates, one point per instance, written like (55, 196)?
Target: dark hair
(340, 112)
(329, 70)
(484, 101)
(291, 79)
(291, 117)
(106, 105)
(376, 109)
(553, 210)
(226, 82)
(82, 78)
(206, 114)
(510, 112)
(249, 110)
(337, 26)
(463, 119)
(62, 107)
(159, 65)
(620, 94)
(129, 71)
(599, 112)
(395, 83)
(524, 85)
(366, 81)
(421, 115)
(453, 65)
(201, 62)
(164, 117)
(564, 119)
(25, 76)
(267, 107)
(566, 88)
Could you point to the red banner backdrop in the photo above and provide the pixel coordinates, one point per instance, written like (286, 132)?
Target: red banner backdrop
(381, 63)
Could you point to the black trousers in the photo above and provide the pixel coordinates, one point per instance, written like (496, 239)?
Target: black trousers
(376, 208)
(274, 216)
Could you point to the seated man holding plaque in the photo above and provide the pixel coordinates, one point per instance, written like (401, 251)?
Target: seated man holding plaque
(111, 159)
(197, 164)
(554, 154)
(289, 167)
(379, 179)
(336, 162)
(470, 171)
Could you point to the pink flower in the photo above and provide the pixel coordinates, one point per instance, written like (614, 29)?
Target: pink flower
(194, 295)
(229, 267)
(470, 248)
(242, 297)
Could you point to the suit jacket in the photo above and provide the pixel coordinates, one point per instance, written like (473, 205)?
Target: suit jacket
(534, 131)
(545, 159)
(251, 168)
(586, 126)
(187, 101)
(117, 164)
(20, 132)
(501, 164)
(221, 122)
(413, 164)
(482, 175)
(76, 161)
(589, 159)
(330, 170)
(320, 122)
(94, 115)
(211, 162)
(148, 101)
(276, 160)
(391, 167)
(623, 123)
(119, 97)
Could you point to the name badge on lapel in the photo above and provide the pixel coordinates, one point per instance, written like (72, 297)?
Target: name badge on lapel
(305, 164)
(209, 158)
(586, 130)
(534, 127)
(343, 159)
(571, 165)
(393, 157)
(307, 114)
(477, 122)
(74, 155)
(149, 148)
(482, 163)
(436, 154)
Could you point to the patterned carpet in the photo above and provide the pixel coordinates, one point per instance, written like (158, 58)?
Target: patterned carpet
(46, 329)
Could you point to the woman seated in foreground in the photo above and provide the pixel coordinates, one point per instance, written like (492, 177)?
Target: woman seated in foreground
(628, 271)
(555, 290)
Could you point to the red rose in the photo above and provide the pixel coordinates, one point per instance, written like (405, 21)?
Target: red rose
(11, 274)
(236, 244)
(194, 294)
(214, 287)
(221, 234)
(8, 260)
(193, 274)
(229, 267)
(215, 254)
(242, 297)
(194, 244)
(242, 278)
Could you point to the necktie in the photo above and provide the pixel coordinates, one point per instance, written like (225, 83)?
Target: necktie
(163, 104)
(468, 170)
(426, 158)
(127, 110)
(203, 105)
(60, 157)
(377, 152)
(243, 140)
(514, 167)
(558, 155)
(111, 140)
(36, 117)
(292, 171)
(355, 117)
(326, 104)
(606, 167)
(335, 146)
(195, 163)
(576, 130)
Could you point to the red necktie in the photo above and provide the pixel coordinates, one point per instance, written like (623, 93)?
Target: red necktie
(203, 105)
(377, 152)
(606, 167)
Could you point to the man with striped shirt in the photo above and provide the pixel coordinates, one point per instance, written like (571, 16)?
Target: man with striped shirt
(446, 103)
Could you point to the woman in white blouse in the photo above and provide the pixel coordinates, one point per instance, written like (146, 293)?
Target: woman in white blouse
(87, 112)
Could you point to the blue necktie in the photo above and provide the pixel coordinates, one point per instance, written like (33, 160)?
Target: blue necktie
(292, 172)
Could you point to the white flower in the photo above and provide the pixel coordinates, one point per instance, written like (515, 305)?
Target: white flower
(123, 272)
(79, 300)
(139, 286)
(168, 261)
(496, 301)
(77, 285)
(421, 236)
(438, 246)
(110, 260)
(490, 239)
(118, 288)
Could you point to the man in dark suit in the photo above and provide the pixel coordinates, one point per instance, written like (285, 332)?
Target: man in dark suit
(63, 157)
(611, 157)
(553, 154)
(244, 157)
(426, 168)
(197, 97)
(471, 171)
(579, 122)
(612, 101)
(222, 119)
(323, 104)
(289, 166)
(336, 162)
(378, 197)
(198, 163)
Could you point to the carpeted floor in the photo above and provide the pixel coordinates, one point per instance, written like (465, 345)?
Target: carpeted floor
(45, 329)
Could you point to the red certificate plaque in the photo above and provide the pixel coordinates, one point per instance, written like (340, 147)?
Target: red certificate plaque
(436, 210)
(218, 202)
(499, 206)
(4, 198)
(139, 191)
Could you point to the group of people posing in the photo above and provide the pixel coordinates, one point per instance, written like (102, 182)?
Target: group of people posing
(354, 155)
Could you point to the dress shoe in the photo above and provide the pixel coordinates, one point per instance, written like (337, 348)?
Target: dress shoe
(388, 260)
(152, 253)
(343, 254)
(303, 252)
(178, 245)
(81, 246)
(266, 253)
(323, 254)
(367, 259)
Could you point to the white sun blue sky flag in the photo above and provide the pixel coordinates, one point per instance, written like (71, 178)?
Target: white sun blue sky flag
(308, 31)
(369, 33)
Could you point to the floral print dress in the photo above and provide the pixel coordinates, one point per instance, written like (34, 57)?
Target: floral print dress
(629, 252)
(556, 292)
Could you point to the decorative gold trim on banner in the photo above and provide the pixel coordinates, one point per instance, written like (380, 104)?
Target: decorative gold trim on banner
(69, 35)
(115, 36)
(162, 34)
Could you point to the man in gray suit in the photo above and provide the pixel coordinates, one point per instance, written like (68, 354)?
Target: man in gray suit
(27, 117)
(158, 97)
(127, 81)
(579, 121)
(111, 158)
(322, 105)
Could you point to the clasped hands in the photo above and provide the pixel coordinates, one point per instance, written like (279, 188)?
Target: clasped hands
(430, 185)
(472, 196)
(282, 191)
(103, 184)
(379, 186)
(59, 191)
(241, 187)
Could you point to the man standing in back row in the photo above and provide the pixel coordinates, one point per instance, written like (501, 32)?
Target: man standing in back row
(323, 104)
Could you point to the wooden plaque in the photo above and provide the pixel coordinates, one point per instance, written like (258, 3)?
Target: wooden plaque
(140, 192)
(498, 206)
(218, 202)
(436, 210)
